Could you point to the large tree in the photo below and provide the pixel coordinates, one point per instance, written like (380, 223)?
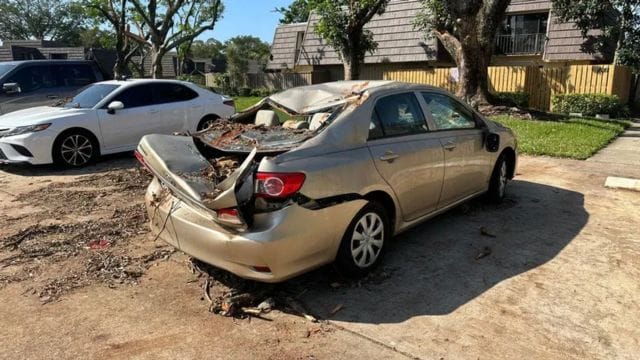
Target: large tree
(240, 49)
(297, 11)
(467, 30)
(116, 14)
(58, 20)
(171, 23)
(341, 25)
(211, 49)
(617, 22)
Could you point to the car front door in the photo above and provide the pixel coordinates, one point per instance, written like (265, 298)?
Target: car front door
(123, 129)
(406, 154)
(467, 162)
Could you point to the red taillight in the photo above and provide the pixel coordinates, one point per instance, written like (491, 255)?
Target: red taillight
(278, 185)
(230, 103)
(141, 160)
(229, 215)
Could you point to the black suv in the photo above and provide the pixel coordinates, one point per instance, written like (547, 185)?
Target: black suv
(25, 84)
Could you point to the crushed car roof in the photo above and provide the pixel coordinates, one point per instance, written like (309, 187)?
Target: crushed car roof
(302, 99)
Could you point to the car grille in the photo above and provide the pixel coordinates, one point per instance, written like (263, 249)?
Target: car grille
(3, 156)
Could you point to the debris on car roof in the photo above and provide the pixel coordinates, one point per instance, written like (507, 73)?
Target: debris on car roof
(234, 137)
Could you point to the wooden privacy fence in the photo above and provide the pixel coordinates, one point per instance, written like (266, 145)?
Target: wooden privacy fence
(540, 82)
(273, 81)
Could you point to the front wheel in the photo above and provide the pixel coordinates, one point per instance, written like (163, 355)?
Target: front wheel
(499, 180)
(207, 122)
(363, 243)
(75, 149)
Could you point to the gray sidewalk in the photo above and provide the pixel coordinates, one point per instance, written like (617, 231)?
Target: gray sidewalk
(623, 153)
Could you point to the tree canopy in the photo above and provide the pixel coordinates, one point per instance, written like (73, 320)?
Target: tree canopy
(617, 23)
(298, 11)
(58, 20)
(240, 49)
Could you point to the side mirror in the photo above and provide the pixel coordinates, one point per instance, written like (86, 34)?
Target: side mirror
(113, 106)
(492, 142)
(11, 88)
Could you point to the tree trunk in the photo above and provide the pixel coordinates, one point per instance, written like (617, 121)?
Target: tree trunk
(473, 82)
(156, 61)
(119, 69)
(351, 69)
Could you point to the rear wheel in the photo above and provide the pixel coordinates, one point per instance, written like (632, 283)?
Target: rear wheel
(75, 148)
(207, 122)
(362, 245)
(499, 180)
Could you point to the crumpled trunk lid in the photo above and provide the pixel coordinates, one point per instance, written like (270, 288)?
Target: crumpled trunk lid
(177, 163)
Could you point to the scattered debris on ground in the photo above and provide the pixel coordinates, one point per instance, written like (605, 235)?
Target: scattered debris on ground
(486, 251)
(485, 232)
(512, 111)
(81, 232)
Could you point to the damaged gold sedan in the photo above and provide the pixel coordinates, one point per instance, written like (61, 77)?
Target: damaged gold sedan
(352, 164)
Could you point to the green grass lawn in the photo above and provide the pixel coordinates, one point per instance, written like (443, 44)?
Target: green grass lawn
(576, 138)
(243, 102)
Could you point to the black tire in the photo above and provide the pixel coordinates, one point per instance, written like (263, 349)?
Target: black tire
(75, 148)
(499, 180)
(206, 122)
(349, 261)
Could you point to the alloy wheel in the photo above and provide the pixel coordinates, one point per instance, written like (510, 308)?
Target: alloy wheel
(367, 239)
(76, 150)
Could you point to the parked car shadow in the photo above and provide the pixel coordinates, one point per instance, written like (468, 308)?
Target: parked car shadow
(105, 163)
(434, 268)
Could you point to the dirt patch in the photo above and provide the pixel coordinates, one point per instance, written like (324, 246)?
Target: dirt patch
(90, 230)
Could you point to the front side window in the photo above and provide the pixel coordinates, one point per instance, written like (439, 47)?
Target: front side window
(91, 96)
(167, 93)
(448, 113)
(397, 115)
(135, 96)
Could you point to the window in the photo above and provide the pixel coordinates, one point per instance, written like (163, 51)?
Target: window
(58, 56)
(73, 75)
(91, 96)
(32, 78)
(135, 96)
(448, 113)
(166, 93)
(397, 115)
(522, 34)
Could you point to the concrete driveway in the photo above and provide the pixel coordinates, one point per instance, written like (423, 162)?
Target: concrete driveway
(560, 279)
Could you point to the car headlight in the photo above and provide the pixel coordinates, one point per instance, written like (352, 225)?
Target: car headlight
(24, 130)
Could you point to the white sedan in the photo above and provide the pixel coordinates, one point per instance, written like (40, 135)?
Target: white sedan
(105, 118)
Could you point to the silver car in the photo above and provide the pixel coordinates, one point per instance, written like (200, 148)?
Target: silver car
(353, 164)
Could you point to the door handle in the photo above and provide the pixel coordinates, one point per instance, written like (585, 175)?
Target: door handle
(450, 145)
(389, 156)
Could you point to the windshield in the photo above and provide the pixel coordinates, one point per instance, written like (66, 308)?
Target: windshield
(5, 68)
(91, 96)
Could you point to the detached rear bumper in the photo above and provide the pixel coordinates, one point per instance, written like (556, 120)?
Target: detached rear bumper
(287, 242)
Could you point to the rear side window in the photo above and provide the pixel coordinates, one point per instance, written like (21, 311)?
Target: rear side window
(32, 78)
(73, 75)
(135, 96)
(397, 115)
(168, 93)
(447, 113)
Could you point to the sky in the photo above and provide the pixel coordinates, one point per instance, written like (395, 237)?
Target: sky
(247, 17)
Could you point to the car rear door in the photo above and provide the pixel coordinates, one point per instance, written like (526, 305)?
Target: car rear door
(173, 110)
(406, 154)
(122, 130)
(467, 162)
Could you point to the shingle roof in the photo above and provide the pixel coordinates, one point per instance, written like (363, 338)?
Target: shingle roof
(398, 40)
(283, 48)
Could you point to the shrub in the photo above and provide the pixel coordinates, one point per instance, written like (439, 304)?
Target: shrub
(244, 91)
(261, 92)
(589, 104)
(513, 98)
